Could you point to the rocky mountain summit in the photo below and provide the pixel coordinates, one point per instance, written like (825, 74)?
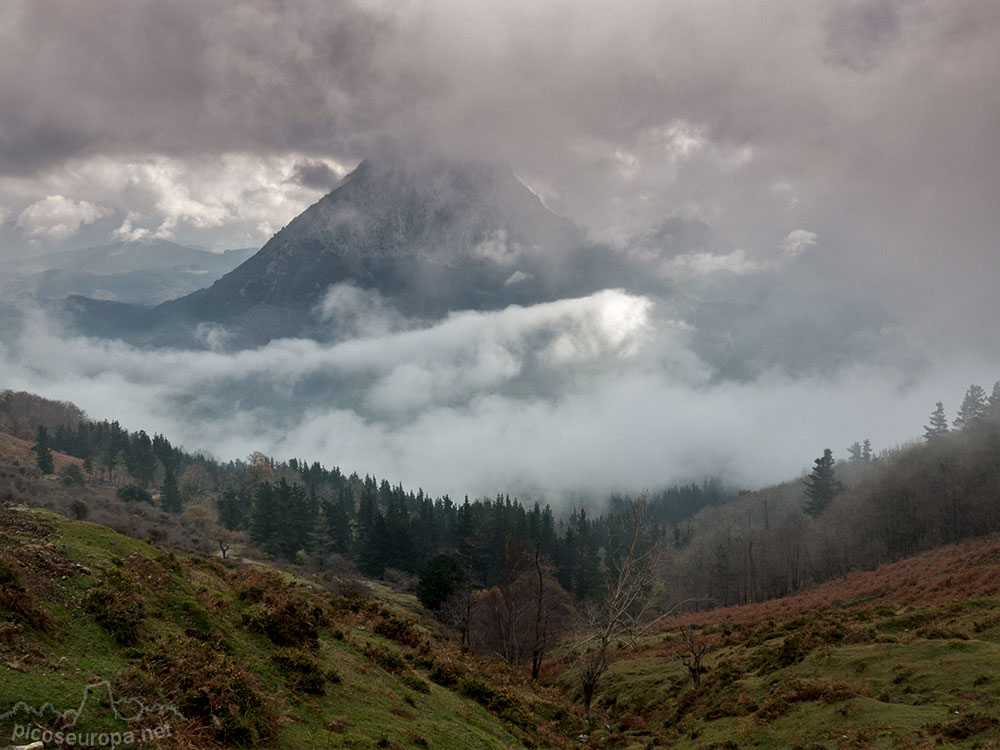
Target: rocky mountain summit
(429, 235)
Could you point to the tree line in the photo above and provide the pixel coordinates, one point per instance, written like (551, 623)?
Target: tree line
(305, 513)
(848, 515)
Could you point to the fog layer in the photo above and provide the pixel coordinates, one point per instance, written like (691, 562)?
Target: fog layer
(583, 395)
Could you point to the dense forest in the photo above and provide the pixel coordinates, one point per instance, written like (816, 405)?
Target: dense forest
(718, 547)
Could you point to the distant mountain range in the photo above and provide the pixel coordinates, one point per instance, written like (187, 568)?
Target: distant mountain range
(139, 272)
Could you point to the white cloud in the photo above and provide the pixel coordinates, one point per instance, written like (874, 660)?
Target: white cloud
(517, 277)
(738, 262)
(591, 394)
(798, 241)
(690, 265)
(128, 232)
(226, 200)
(58, 218)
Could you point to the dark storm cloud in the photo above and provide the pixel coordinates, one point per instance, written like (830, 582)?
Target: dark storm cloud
(125, 76)
(315, 174)
(871, 123)
(758, 118)
(858, 33)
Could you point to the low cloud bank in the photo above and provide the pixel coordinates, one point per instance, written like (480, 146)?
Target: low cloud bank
(577, 396)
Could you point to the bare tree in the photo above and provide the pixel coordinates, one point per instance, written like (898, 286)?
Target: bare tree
(517, 619)
(622, 608)
(692, 659)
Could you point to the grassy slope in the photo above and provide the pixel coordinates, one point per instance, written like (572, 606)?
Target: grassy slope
(198, 647)
(907, 656)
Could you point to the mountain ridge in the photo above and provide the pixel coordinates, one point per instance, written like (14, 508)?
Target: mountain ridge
(430, 235)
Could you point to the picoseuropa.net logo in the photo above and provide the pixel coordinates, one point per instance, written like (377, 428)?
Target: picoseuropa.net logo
(51, 726)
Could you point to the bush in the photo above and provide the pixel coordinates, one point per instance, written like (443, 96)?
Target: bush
(304, 673)
(72, 474)
(280, 612)
(444, 674)
(501, 701)
(288, 623)
(791, 651)
(220, 694)
(132, 493)
(440, 577)
(115, 605)
(415, 683)
(15, 599)
(397, 629)
(79, 509)
(389, 660)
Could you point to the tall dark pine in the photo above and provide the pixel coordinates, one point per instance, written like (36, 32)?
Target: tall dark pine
(867, 454)
(43, 454)
(973, 408)
(141, 458)
(233, 505)
(170, 493)
(854, 452)
(822, 485)
(938, 427)
(266, 519)
(993, 402)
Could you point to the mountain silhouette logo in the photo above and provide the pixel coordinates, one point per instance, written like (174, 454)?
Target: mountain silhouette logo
(127, 710)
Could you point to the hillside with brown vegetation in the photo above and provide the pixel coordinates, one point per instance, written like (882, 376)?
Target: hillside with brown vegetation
(958, 572)
(17, 452)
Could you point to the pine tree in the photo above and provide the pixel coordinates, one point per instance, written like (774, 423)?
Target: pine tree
(993, 402)
(372, 548)
(938, 427)
(854, 453)
(973, 408)
(141, 459)
(170, 493)
(867, 454)
(266, 519)
(821, 485)
(232, 510)
(43, 454)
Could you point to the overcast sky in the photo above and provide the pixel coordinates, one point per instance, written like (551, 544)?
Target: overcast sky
(872, 123)
(865, 133)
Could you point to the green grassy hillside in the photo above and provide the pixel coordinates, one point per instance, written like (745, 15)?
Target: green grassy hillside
(906, 656)
(213, 654)
(232, 655)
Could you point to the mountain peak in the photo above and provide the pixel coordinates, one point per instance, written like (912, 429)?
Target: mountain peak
(430, 233)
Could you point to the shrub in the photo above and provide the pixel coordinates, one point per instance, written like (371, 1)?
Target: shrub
(964, 727)
(501, 701)
(791, 651)
(440, 577)
(79, 509)
(227, 699)
(284, 615)
(115, 605)
(15, 599)
(304, 673)
(132, 493)
(414, 682)
(72, 474)
(397, 629)
(445, 674)
(289, 623)
(389, 660)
